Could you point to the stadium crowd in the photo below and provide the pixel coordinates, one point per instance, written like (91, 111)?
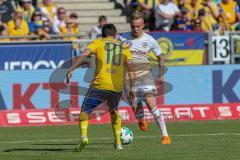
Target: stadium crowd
(32, 17)
(43, 18)
(189, 15)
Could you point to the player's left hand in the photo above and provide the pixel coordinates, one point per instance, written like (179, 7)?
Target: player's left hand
(161, 79)
(132, 95)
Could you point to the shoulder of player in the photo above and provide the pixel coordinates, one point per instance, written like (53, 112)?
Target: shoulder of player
(126, 36)
(149, 38)
(97, 40)
(102, 41)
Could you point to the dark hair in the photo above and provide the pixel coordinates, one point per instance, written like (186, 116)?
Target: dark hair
(2, 28)
(108, 30)
(202, 12)
(59, 9)
(36, 13)
(102, 17)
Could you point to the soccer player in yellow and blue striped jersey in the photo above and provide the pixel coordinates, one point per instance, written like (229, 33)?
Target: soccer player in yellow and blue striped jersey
(112, 58)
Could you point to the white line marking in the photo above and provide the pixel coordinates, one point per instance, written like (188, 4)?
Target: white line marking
(136, 137)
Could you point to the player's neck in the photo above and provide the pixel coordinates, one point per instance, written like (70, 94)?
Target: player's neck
(138, 36)
(108, 37)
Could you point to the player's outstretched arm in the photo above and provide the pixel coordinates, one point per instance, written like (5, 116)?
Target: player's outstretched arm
(78, 61)
(161, 67)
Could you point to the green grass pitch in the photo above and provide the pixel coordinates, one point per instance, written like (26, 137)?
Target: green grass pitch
(196, 140)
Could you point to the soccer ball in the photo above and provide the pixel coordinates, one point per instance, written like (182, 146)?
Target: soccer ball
(126, 135)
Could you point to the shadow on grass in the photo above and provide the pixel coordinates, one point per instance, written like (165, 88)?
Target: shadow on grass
(37, 149)
(71, 144)
(92, 146)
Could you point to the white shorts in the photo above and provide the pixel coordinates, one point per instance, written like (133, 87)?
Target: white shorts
(144, 85)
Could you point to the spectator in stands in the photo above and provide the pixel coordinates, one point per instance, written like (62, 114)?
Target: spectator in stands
(207, 24)
(36, 22)
(197, 25)
(148, 8)
(28, 9)
(49, 9)
(212, 13)
(71, 29)
(166, 11)
(180, 3)
(229, 12)
(18, 26)
(222, 28)
(59, 22)
(97, 30)
(35, 3)
(183, 21)
(42, 33)
(131, 6)
(75, 30)
(6, 11)
(211, 8)
(41, 27)
(75, 24)
(193, 7)
(47, 26)
(3, 32)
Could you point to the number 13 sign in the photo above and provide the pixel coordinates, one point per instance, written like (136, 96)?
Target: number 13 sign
(221, 48)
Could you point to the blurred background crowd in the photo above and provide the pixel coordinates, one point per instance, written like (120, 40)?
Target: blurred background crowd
(43, 17)
(33, 17)
(188, 15)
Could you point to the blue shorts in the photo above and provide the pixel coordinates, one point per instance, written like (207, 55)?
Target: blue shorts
(95, 97)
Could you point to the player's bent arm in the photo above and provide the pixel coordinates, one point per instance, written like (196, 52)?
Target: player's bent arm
(131, 73)
(78, 61)
(132, 77)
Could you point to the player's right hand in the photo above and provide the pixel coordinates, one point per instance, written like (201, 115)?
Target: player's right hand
(132, 95)
(161, 80)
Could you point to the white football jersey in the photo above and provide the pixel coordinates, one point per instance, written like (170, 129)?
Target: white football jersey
(141, 47)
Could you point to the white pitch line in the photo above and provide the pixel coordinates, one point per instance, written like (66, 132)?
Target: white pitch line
(136, 137)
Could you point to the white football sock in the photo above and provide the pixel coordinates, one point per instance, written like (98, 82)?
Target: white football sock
(159, 118)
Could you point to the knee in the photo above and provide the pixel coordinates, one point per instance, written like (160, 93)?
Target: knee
(83, 116)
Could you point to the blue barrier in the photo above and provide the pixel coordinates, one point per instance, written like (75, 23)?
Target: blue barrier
(27, 56)
(191, 85)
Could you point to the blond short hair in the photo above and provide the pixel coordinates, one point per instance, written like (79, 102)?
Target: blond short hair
(136, 15)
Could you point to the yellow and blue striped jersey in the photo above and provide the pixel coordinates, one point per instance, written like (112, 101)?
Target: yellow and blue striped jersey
(111, 57)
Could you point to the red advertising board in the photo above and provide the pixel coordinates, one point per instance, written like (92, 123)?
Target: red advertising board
(70, 116)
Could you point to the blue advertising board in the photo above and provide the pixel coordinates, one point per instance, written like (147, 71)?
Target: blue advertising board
(191, 85)
(203, 84)
(28, 56)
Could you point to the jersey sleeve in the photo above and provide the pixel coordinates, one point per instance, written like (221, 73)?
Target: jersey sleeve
(127, 54)
(121, 38)
(156, 48)
(93, 47)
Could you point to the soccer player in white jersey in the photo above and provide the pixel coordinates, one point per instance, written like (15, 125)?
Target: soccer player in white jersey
(140, 45)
